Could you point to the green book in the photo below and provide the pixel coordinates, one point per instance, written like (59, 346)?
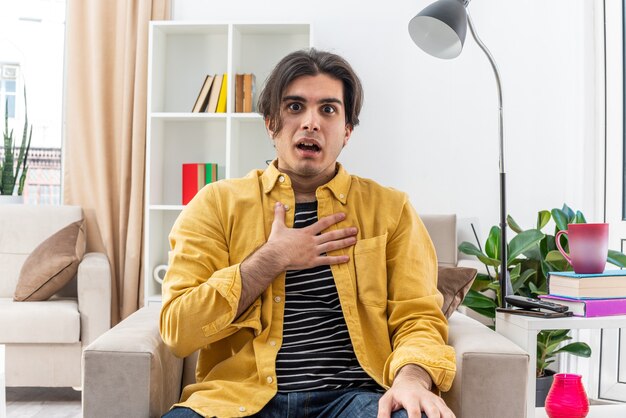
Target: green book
(210, 173)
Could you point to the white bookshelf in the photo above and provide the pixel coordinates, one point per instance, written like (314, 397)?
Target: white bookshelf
(181, 54)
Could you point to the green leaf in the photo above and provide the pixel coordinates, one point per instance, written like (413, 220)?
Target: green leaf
(555, 255)
(616, 258)
(523, 242)
(475, 299)
(578, 349)
(481, 282)
(515, 273)
(523, 278)
(558, 333)
(544, 247)
(533, 253)
(560, 218)
(546, 268)
(579, 218)
(489, 261)
(569, 213)
(479, 286)
(513, 225)
(533, 288)
(494, 286)
(492, 246)
(543, 217)
(551, 348)
(550, 243)
(470, 249)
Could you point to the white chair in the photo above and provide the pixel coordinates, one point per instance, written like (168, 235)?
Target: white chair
(44, 340)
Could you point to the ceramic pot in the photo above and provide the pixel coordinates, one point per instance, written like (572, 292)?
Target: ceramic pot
(542, 387)
(567, 397)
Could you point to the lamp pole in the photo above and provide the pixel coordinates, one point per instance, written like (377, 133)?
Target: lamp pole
(505, 282)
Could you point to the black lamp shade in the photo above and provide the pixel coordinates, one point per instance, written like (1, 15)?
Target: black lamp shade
(440, 29)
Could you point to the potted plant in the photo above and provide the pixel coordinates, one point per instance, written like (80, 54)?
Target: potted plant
(13, 167)
(549, 344)
(532, 254)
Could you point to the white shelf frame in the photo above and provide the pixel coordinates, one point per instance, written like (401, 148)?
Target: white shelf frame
(227, 48)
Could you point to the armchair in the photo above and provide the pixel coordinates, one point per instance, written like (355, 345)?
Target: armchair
(44, 339)
(129, 372)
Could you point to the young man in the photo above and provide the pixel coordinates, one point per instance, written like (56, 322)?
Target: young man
(309, 292)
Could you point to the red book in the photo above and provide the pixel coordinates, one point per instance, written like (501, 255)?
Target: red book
(193, 180)
(590, 307)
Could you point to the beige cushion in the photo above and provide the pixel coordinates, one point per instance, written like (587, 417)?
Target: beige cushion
(52, 264)
(454, 283)
(23, 228)
(53, 321)
(442, 231)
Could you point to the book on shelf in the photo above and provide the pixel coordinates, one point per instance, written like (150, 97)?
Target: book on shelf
(238, 93)
(248, 92)
(210, 173)
(611, 284)
(203, 95)
(195, 177)
(211, 106)
(221, 101)
(590, 307)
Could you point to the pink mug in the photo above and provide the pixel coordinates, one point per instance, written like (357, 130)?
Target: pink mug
(588, 247)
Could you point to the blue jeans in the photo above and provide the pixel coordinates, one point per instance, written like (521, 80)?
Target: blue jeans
(348, 403)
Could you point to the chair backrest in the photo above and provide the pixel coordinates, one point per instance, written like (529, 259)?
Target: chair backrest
(22, 229)
(443, 233)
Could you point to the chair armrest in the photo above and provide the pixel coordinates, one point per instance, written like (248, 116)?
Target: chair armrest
(94, 296)
(491, 372)
(129, 372)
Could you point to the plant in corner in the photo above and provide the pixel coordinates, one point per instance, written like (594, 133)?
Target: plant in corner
(532, 255)
(11, 171)
(548, 343)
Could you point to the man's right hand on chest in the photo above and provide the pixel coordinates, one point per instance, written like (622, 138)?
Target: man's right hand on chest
(292, 249)
(302, 248)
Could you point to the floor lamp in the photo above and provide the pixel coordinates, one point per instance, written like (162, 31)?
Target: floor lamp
(440, 31)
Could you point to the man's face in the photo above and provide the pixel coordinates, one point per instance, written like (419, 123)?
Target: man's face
(314, 126)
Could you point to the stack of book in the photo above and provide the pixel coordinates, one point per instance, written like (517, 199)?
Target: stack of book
(212, 95)
(601, 294)
(195, 177)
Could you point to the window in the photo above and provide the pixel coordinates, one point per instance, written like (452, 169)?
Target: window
(612, 382)
(8, 87)
(32, 41)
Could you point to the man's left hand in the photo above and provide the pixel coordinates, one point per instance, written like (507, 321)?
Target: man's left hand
(411, 390)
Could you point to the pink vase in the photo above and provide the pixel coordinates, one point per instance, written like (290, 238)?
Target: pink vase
(567, 397)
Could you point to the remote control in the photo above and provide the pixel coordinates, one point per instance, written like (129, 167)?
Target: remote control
(530, 303)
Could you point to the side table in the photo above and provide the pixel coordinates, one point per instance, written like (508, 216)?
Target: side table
(3, 393)
(523, 330)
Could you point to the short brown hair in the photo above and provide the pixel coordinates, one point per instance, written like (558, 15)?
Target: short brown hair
(309, 62)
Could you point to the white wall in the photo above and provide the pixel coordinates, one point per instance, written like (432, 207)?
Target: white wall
(429, 126)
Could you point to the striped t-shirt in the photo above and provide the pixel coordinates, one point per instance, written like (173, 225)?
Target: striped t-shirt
(316, 353)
